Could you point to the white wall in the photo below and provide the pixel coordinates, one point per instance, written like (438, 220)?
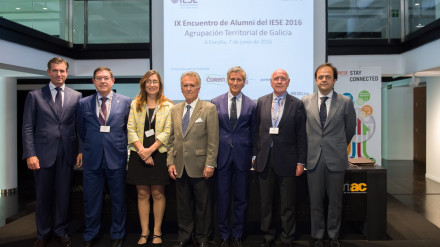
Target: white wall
(433, 128)
(400, 123)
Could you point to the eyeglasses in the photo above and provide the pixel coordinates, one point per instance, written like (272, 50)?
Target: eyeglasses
(152, 82)
(102, 78)
(328, 77)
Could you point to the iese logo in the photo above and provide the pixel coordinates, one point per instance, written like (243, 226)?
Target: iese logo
(355, 188)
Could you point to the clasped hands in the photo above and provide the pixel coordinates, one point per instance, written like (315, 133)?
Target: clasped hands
(145, 155)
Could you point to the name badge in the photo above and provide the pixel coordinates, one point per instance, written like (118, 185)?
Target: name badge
(105, 129)
(149, 132)
(273, 131)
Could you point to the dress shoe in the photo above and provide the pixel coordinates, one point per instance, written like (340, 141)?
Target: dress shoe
(236, 242)
(40, 243)
(266, 243)
(180, 244)
(224, 243)
(87, 243)
(146, 240)
(64, 241)
(203, 244)
(317, 243)
(117, 243)
(156, 238)
(334, 243)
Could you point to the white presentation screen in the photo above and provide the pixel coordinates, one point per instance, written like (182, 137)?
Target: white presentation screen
(260, 36)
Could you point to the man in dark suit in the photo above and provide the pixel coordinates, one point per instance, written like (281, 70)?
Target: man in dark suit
(102, 127)
(191, 159)
(236, 113)
(50, 147)
(331, 123)
(280, 146)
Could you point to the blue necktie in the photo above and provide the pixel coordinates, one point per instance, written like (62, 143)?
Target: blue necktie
(58, 102)
(323, 111)
(275, 111)
(185, 119)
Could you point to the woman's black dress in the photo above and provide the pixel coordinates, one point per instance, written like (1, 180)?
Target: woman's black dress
(140, 173)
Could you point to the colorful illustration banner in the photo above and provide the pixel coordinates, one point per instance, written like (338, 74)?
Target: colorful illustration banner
(363, 85)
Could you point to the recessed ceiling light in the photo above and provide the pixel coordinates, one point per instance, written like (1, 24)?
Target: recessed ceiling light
(416, 4)
(17, 8)
(45, 8)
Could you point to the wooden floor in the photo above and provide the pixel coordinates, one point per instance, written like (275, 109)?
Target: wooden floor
(406, 182)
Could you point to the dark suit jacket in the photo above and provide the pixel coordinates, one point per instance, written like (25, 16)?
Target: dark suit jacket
(290, 145)
(240, 137)
(95, 143)
(42, 128)
(199, 146)
(339, 129)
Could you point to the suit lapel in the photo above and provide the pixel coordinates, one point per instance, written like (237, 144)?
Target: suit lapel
(67, 98)
(315, 109)
(178, 119)
(114, 107)
(194, 115)
(48, 97)
(223, 108)
(334, 105)
(287, 106)
(92, 107)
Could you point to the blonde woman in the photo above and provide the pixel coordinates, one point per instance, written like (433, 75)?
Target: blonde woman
(148, 126)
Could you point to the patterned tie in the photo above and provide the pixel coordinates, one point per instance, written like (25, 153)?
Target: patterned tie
(104, 111)
(185, 119)
(275, 111)
(323, 111)
(233, 115)
(58, 102)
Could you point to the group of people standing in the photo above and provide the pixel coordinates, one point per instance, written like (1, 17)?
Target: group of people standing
(279, 137)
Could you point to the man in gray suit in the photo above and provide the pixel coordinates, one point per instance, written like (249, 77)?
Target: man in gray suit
(331, 123)
(191, 159)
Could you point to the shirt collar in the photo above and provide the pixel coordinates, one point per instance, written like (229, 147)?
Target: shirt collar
(108, 96)
(282, 96)
(230, 96)
(193, 104)
(329, 95)
(52, 86)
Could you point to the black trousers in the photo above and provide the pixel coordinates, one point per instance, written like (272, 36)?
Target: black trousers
(194, 208)
(270, 184)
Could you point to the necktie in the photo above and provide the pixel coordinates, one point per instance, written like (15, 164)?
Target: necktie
(233, 114)
(185, 119)
(59, 102)
(323, 111)
(104, 111)
(275, 111)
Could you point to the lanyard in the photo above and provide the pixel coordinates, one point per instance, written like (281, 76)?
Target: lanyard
(152, 118)
(108, 110)
(275, 116)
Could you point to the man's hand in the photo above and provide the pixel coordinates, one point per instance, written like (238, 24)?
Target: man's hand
(33, 163)
(299, 169)
(79, 160)
(208, 172)
(172, 171)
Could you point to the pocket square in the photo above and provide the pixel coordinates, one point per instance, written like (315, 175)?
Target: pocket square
(199, 120)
